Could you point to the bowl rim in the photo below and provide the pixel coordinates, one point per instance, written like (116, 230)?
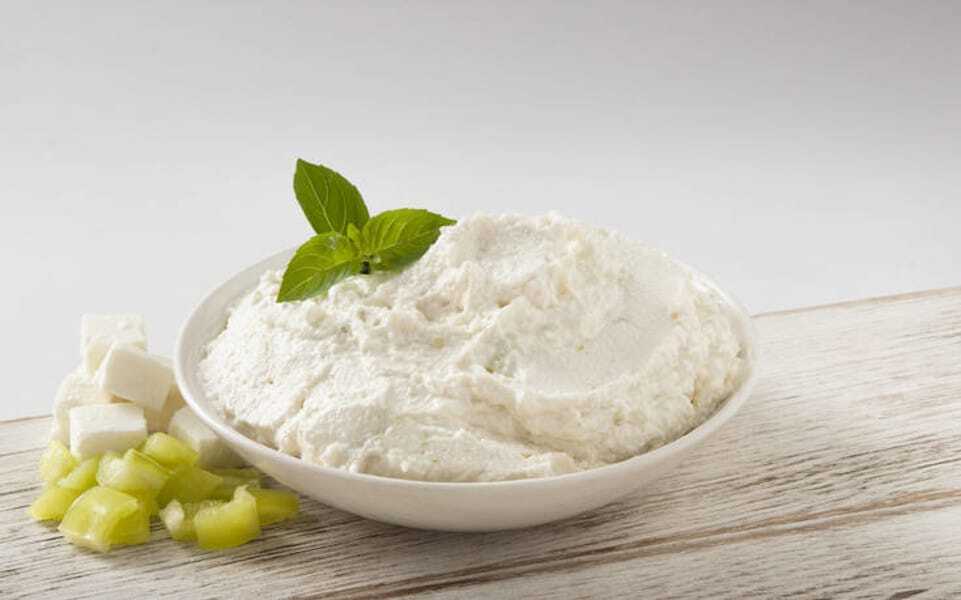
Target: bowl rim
(729, 406)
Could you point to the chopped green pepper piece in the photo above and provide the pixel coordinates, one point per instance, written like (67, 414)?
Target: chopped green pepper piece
(94, 515)
(232, 479)
(169, 451)
(189, 484)
(179, 518)
(229, 524)
(274, 505)
(56, 463)
(83, 477)
(53, 503)
(135, 471)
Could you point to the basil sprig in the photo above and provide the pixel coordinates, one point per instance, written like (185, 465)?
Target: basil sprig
(348, 241)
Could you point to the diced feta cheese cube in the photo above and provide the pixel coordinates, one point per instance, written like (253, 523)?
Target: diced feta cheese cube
(161, 421)
(130, 373)
(100, 428)
(213, 451)
(77, 389)
(99, 332)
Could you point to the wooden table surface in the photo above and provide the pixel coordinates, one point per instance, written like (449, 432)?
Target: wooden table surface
(840, 478)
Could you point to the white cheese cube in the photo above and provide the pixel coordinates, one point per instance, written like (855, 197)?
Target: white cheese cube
(161, 421)
(77, 389)
(99, 332)
(130, 373)
(100, 428)
(214, 452)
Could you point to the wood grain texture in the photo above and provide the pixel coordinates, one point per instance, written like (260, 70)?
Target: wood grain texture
(840, 478)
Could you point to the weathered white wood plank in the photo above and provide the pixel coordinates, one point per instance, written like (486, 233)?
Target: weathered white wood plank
(907, 555)
(841, 477)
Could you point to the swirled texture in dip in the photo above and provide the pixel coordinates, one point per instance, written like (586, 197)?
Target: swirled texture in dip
(515, 347)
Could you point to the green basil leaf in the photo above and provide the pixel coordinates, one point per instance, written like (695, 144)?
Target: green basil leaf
(353, 234)
(317, 265)
(328, 200)
(396, 238)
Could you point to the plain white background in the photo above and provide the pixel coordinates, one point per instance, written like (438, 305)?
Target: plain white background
(800, 152)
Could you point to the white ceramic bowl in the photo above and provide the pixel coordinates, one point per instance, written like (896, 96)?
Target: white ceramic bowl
(428, 505)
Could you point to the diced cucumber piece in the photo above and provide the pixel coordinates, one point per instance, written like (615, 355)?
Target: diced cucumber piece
(179, 518)
(53, 503)
(169, 451)
(228, 525)
(274, 505)
(83, 477)
(94, 515)
(189, 484)
(132, 472)
(56, 463)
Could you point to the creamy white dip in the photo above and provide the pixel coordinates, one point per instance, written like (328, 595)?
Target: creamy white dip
(515, 347)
